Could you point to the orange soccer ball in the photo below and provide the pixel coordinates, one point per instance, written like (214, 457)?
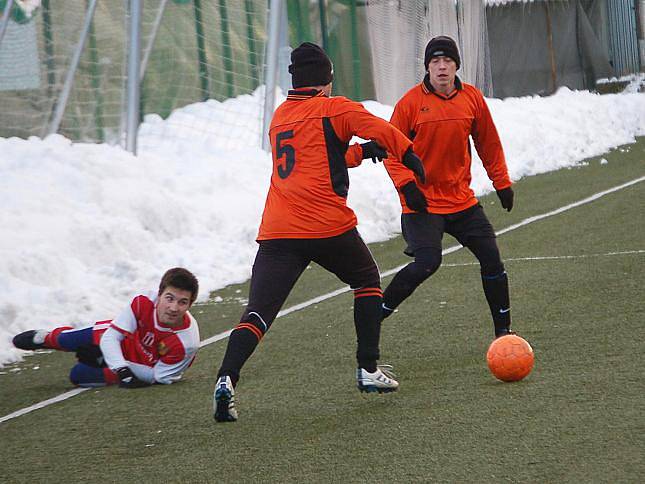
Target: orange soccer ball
(510, 358)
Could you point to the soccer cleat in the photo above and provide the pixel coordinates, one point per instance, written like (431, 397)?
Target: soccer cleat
(33, 339)
(224, 400)
(381, 381)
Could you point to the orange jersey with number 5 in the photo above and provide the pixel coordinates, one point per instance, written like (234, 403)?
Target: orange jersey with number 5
(309, 135)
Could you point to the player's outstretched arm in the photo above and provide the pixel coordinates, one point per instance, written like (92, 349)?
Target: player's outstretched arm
(355, 120)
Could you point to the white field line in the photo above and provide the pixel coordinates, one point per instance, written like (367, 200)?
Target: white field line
(552, 257)
(329, 295)
(535, 218)
(44, 403)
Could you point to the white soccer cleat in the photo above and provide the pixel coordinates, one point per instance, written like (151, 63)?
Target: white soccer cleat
(224, 400)
(381, 381)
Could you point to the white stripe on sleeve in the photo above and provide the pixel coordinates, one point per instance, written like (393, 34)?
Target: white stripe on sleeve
(111, 348)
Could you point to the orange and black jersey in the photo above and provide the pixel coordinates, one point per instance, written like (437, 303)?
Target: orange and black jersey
(440, 127)
(309, 137)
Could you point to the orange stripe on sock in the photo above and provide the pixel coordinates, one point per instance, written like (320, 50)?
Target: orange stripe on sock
(376, 294)
(258, 334)
(368, 291)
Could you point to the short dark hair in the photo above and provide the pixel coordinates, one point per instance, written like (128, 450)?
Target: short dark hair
(181, 279)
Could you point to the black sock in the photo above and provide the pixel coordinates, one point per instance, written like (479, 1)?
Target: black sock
(402, 286)
(367, 320)
(241, 345)
(496, 291)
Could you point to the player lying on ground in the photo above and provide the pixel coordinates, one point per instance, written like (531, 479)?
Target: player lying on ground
(154, 340)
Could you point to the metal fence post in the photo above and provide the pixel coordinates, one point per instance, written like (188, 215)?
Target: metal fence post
(5, 19)
(61, 103)
(134, 77)
(275, 11)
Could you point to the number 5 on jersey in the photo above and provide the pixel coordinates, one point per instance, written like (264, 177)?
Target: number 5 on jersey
(286, 150)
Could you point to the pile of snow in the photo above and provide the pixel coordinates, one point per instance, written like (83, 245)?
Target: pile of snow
(86, 226)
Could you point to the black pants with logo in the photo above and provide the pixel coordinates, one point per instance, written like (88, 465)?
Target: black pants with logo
(423, 233)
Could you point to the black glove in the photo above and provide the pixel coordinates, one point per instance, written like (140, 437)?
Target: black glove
(506, 197)
(373, 150)
(90, 355)
(414, 198)
(128, 380)
(414, 163)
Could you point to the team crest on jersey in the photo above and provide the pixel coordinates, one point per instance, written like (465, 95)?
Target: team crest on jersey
(148, 339)
(425, 109)
(162, 349)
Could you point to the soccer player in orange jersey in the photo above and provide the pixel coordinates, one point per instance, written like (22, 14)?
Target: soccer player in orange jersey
(440, 115)
(306, 218)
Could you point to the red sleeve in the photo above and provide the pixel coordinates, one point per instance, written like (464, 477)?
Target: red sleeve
(401, 120)
(489, 147)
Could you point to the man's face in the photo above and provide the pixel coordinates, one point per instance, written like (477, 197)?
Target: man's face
(442, 71)
(172, 305)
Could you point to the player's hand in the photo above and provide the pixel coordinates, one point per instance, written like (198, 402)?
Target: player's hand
(506, 196)
(90, 355)
(128, 380)
(373, 150)
(414, 197)
(414, 163)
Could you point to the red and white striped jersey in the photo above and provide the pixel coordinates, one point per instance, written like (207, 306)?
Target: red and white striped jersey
(145, 342)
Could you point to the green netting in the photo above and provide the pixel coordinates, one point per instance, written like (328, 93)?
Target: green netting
(203, 49)
(340, 26)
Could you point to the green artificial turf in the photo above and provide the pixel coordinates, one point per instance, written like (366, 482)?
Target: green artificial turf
(576, 288)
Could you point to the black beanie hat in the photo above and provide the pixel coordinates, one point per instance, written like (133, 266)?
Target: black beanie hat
(441, 46)
(310, 66)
